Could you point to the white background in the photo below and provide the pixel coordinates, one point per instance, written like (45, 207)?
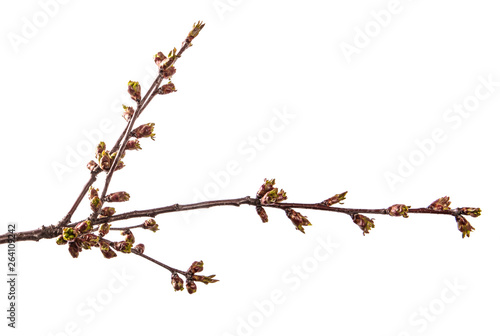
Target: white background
(351, 121)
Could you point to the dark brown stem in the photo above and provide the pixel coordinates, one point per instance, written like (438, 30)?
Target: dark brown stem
(53, 231)
(255, 202)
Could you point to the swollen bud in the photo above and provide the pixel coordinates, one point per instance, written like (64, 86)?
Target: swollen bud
(474, 212)
(128, 112)
(133, 144)
(335, 199)
(107, 252)
(93, 192)
(99, 149)
(139, 248)
(267, 186)
(297, 219)
(107, 211)
(196, 267)
(69, 234)
(191, 286)
(197, 27)
(167, 71)
(205, 279)
(159, 57)
(364, 223)
(134, 89)
(262, 214)
(150, 224)
(123, 246)
(73, 249)
(464, 226)
(95, 203)
(105, 161)
(91, 165)
(177, 282)
(440, 204)
(84, 227)
(129, 236)
(144, 131)
(166, 88)
(120, 196)
(397, 210)
(104, 229)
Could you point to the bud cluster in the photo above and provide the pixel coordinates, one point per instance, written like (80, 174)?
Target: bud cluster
(134, 89)
(191, 277)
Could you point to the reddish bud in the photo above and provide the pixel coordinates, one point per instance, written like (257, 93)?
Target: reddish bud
(107, 252)
(191, 286)
(134, 89)
(133, 144)
(105, 160)
(167, 71)
(129, 236)
(104, 229)
(177, 282)
(91, 165)
(95, 203)
(167, 88)
(144, 131)
(273, 196)
(99, 149)
(197, 27)
(93, 192)
(335, 199)
(464, 226)
(440, 204)
(474, 212)
(205, 279)
(267, 186)
(397, 210)
(74, 249)
(297, 219)
(139, 248)
(119, 165)
(120, 196)
(196, 267)
(128, 112)
(150, 224)
(262, 214)
(364, 223)
(123, 246)
(107, 211)
(84, 227)
(159, 57)
(89, 240)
